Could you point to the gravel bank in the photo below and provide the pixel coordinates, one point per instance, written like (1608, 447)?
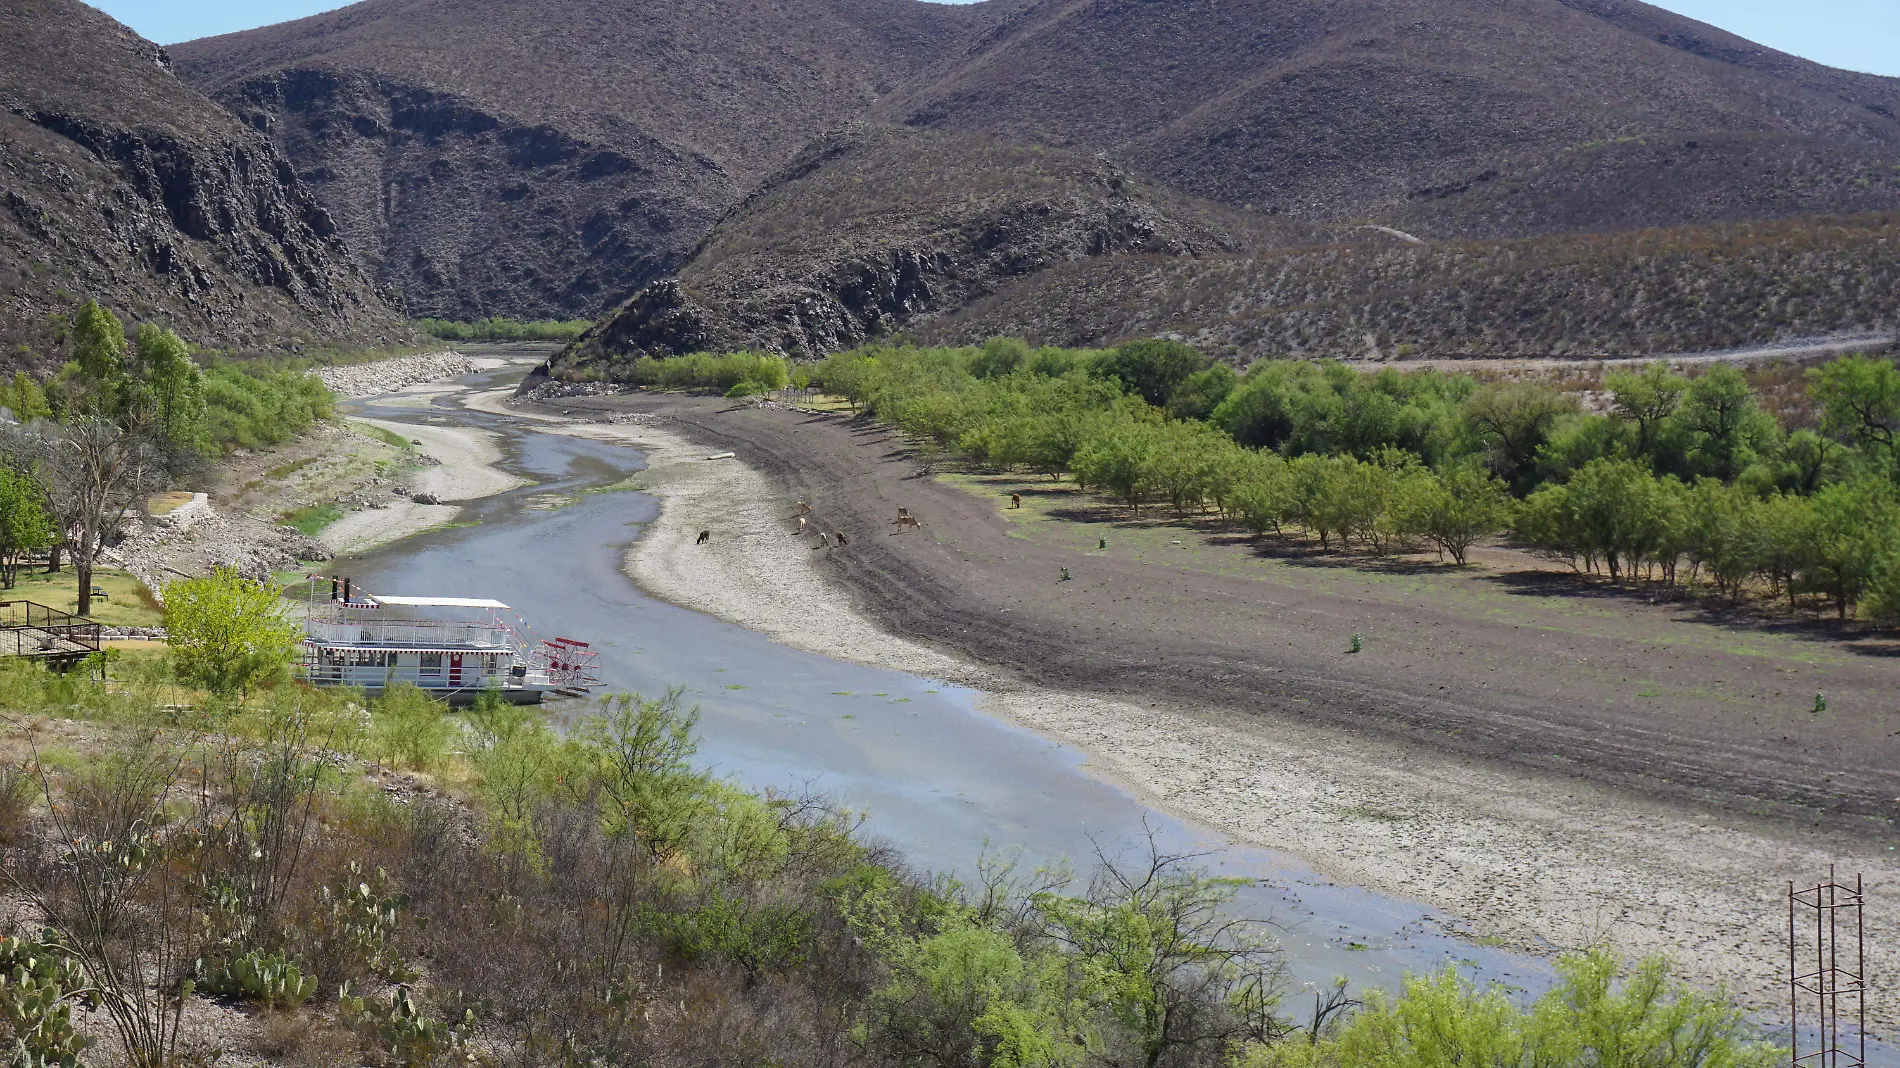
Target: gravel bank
(388, 376)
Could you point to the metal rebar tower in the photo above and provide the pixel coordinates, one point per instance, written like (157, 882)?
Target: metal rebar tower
(1828, 973)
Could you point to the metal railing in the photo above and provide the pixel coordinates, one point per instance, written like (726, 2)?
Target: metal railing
(414, 634)
(28, 628)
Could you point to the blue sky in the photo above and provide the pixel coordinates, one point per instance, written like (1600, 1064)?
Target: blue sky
(1857, 34)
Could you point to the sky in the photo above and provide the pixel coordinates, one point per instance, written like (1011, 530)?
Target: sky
(1861, 35)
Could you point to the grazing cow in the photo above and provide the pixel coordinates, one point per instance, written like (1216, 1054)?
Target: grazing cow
(841, 541)
(704, 537)
(1015, 500)
(801, 525)
(905, 521)
(802, 509)
(824, 542)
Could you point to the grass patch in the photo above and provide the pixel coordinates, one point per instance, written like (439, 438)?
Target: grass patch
(167, 503)
(384, 435)
(127, 603)
(312, 520)
(291, 468)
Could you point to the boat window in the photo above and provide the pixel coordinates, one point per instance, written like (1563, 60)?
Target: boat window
(431, 664)
(369, 658)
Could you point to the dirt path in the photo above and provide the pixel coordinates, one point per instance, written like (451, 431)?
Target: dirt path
(1534, 858)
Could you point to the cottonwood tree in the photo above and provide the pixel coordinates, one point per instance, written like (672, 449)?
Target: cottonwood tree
(94, 472)
(24, 527)
(129, 417)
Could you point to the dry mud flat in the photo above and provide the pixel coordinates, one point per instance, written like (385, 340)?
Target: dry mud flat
(1539, 860)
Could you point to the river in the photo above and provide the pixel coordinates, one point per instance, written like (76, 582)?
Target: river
(935, 776)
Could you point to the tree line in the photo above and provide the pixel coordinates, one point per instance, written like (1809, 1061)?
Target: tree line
(1684, 479)
(593, 895)
(498, 328)
(122, 419)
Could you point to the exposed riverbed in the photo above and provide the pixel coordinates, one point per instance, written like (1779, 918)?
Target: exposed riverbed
(935, 775)
(937, 772)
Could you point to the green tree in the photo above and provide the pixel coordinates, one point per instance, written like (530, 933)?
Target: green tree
(1852, 529)
(1455, 508)
(1726, 429)
(1152, 368)
(93, 382)
(1859, 399)
(1724, 534)
(1647, 399)
(1000, 357)
(1202, 392)
(1597, 1015)
(227, 633)
(24, 398)
(1155, 950)
(640, 773)
(24, 527)
(1514, 419)
(1263, 492)
(165, 391)
(410, 728)
(1119, 458)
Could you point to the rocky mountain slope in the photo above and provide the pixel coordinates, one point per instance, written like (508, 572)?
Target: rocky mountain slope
(491, 157)
(1456, 118)
(873, 227)
(484, 157)
(1685, 289)
(120, 182)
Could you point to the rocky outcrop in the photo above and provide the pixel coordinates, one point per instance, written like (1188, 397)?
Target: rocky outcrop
(465, 211)
(120, 183)
(548, 159)
(892, 226)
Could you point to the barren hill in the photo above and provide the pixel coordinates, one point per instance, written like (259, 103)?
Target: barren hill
(489, 156)
(485, 157)
(872, 227)
(1683, 289)
(1455, 117)
(120, 182)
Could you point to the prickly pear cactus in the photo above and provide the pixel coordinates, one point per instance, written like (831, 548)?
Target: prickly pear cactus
(39, 982)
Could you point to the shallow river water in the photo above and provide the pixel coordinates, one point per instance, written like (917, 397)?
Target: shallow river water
(938, 778)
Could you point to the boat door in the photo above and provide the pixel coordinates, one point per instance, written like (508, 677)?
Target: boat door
(455, 669)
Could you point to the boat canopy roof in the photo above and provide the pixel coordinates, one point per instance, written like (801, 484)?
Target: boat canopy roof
(438, 602)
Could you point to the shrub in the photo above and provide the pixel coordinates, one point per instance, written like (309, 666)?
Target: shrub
(1454, 509)
(227, 633)
(410, 729)
(252, 407)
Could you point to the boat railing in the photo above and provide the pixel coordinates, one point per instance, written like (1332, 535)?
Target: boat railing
(421, 634)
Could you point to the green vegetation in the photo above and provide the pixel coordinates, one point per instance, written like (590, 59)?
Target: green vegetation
(313, 519)
(252, 408)
(593, 896)
(384, 435)
(228, 634)
(500, 329)
(1589, 1019)
(24, 527)
(126, 601)
(738, 374)
(1685, 480)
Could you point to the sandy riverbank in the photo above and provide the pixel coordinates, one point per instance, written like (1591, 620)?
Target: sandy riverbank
(1536, 862)
(465, 470)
